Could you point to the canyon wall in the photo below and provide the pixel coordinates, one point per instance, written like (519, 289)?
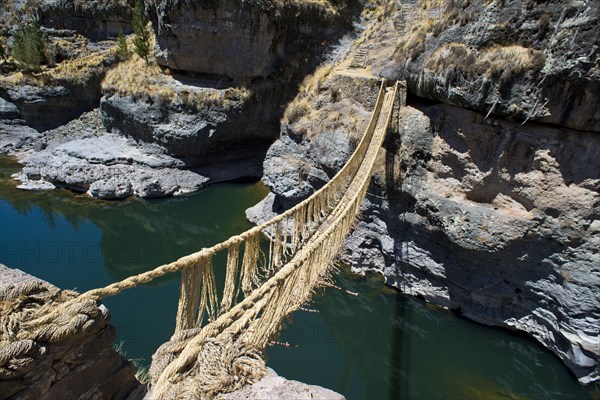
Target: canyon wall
(488, 204)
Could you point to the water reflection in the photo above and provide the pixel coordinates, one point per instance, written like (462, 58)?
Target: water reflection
(135, 234)
(382, 345)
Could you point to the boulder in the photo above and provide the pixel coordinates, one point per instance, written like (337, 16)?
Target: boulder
(274, 387)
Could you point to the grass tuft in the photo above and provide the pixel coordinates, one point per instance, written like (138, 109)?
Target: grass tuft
(496, 62)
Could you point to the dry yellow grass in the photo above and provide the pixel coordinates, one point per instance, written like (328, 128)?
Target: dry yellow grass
(311, 85)
(450, 55)
(308, 92)
(429, 4)
(498, 62)
(412, 44)
(322, 4)
(80, 67)
(318, 107)
(509, 60)
(76, 71)
(146, 81)
(143, 81)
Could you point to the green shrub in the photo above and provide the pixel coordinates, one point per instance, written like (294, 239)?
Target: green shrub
(141, 40)
(28, 48)
(122, 49)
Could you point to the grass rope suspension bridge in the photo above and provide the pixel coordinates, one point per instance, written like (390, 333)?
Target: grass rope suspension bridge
(218, 340)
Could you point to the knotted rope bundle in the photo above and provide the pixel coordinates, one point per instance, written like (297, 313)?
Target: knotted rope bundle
(23, 338)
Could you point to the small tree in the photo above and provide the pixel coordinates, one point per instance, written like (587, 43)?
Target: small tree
(122, 49)
(28, 47)
(141, 39)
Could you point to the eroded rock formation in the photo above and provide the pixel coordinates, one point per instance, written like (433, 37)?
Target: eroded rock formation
(520, 59)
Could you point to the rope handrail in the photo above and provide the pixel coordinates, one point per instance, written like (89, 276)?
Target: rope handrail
(245, 313)
(183, 262)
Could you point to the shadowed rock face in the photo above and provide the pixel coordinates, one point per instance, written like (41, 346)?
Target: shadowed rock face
(494, 219)
(230, 40)
(239, 40)
(94, 20)
(211, 136)
(48, 107)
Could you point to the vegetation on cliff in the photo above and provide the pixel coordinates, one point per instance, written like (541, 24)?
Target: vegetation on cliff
(145, 81)
(28, 47)
(525, 60)
(141, 39)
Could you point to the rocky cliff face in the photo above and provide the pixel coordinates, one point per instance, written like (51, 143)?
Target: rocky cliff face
(496, 220)
(240, 40)
(45, 106)
(214, 134)
(231, 40)
(94, 20)
(522, 59)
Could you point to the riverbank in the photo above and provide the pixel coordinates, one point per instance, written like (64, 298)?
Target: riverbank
(84, 157)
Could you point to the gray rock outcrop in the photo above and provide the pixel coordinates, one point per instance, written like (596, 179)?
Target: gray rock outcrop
(213, 135)
(106, 166)
(54, 97)
(77, 55)
(83, 157)
(94, 20)
(48, 107)
(274, 387)
(237, 40)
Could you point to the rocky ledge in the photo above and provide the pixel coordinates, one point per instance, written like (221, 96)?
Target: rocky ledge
(83, 157)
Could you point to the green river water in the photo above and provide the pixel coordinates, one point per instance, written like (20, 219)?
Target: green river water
(378, 345)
